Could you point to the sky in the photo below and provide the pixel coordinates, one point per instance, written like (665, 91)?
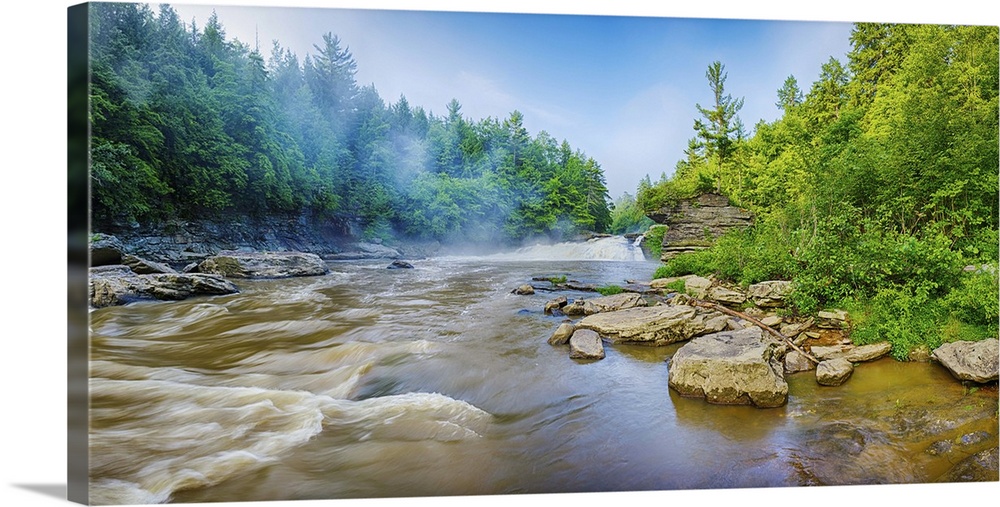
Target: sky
(622, 89)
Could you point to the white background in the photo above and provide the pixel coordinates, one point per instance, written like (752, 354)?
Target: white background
(33, 200)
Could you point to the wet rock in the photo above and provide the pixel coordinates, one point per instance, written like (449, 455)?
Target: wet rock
(555, 304)
(362, 251)
(604, 304)
(980, 467)
(834, 372)
(523, 290)
(975, 361)
(105, 250)
(233, 264)
(852, 353)
(118, 285)
(732, 367)
(586, 344)
(397, 264)
(562, 334)
(770, 294)
(726, 296)
(831, 319)
(145, 267)
(796, 361)
(655, 325)
(190, 268)
(974, 438)
(939, 447)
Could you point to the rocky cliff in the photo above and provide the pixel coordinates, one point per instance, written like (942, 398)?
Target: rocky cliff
(694, 224)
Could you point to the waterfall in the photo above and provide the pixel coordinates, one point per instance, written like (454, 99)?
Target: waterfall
(611, 248)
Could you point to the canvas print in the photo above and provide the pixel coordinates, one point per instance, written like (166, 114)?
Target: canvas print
(348, 253)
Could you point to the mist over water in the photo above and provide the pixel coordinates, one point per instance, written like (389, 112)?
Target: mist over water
(371, 382)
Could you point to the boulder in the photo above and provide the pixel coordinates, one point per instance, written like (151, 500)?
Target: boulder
(233, 264)
(398, 264)
(694, 285)
(655, 325)
(118, 285)
(796, 361)
(975, 361)
(105, 250)
(585, 344)
(604, 304)
(726, 296)
(555, 304)
(852, 353)
(834, 372)
(731, 368)
(145, 267)
(769, 294)
(562, 334)
(523, 290)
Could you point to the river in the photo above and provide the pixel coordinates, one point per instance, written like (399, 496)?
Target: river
(436, 380)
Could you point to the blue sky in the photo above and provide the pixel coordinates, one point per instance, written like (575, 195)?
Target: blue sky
(622, 89)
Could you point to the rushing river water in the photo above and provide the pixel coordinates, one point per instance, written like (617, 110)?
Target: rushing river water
(371, 382)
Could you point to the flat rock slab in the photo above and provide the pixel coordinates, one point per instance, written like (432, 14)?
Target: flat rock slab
(232, 264)
(119, 285)
(655, 325)
(604, 304)
(731, 368)
(852, 353)
(980, 467)
(975, 361)
(586, 344)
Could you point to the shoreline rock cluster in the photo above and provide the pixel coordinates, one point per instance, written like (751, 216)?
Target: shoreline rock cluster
(729, 360)
(118, 278)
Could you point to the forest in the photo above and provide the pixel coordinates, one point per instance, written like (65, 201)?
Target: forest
(187, 124)
(876, 190)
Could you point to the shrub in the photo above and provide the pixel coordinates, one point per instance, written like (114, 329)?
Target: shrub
(609, 290)
(654, 239)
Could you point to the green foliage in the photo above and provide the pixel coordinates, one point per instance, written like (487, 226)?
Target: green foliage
(627, 216)
(676, 286)
(654, 239)
(609, 290)
(557, 280)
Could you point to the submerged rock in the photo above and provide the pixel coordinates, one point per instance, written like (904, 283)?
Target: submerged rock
(731, 368)
(655, 325)
(118, 285)
(234, 264)
(975, 361)
(980, 467)
(586, 344)
(604, 304)
(397, 264)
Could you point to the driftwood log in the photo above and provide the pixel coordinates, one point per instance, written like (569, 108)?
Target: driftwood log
(765, 327)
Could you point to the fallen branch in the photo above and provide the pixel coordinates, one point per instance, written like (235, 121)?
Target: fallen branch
(765, 327)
